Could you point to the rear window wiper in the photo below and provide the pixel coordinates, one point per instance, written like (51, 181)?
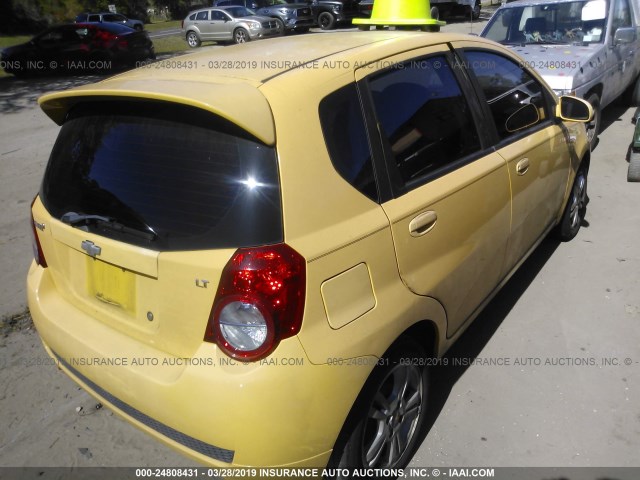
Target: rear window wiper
(76, 219)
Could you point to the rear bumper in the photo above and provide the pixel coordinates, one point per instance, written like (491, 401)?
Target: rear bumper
(284, 411)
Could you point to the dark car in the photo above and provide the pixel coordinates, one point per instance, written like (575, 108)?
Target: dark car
(365, 7)
(329, 13)
(78, 47)
(292, 16)
(108, 17)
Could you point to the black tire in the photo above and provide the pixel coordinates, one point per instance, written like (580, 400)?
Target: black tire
(240, 35)
(593, 127)
(576, 207)
(633, 174)
(192, 39)
(326, 20)
(280, 26)
(401, 381)
(475, 11)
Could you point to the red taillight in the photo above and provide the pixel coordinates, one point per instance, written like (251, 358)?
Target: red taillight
(35, 241)
(182, 24)
(260, 301)
(123, 43)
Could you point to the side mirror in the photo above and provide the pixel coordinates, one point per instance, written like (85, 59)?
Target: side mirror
(624, 35)
(524, 117)
(574, 109)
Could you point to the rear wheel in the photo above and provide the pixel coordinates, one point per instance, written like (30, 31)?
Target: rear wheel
(192, 40)
(475, 11)
(576, 207)
(240, 35)
(326, 21)
(280, 24)
(382, 430)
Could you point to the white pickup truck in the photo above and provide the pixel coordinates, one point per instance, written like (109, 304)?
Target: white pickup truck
(587, 48)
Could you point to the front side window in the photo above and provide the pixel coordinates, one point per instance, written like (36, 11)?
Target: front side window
(163, 176)
(621, 15)
(509, 90)
(424, 116)
(218, 15)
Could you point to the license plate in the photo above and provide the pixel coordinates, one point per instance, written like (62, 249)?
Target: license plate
(111, 284)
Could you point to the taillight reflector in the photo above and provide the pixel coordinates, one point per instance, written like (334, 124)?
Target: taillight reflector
(35, 241)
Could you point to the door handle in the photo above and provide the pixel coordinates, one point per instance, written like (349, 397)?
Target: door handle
(423, 223)
(522, 166)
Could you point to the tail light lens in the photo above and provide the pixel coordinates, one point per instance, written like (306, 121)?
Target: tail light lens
(35, 242)
(260, 301)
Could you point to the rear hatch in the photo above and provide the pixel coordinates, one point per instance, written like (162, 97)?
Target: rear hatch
(148, 201)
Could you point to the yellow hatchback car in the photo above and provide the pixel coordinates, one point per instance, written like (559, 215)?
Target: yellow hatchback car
(251, 253)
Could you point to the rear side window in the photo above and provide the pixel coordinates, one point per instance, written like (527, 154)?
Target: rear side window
(202, 15)
(346, 139)
(164, 177)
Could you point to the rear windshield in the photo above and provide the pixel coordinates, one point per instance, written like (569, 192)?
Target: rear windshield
(165, 177)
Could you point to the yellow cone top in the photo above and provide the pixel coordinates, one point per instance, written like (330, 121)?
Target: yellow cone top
(400, 13)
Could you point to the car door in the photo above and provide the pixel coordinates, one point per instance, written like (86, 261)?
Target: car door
(60, 46)
(537, 152)
(220, 25)
(450, 210)
(203, 25)
(623, 53)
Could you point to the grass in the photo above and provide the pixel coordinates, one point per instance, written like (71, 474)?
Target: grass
(172, 44)
(10, 41)
(154, 27)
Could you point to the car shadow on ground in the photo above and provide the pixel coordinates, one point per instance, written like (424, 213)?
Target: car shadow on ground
(613, 113)
(17, 94)
(473, 341)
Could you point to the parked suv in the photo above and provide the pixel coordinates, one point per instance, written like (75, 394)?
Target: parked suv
(223, 24)
(292, 16)
(330, 13)
(109, 17)
(256, 296)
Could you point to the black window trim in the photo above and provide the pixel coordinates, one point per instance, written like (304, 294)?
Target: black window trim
(391, 184)
(378, 170)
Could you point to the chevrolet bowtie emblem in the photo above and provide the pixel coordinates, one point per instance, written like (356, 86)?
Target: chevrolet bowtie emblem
(91, 248)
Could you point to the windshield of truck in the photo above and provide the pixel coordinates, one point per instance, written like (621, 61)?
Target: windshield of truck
(580, 22)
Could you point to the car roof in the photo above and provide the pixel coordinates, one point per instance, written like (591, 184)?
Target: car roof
(216, 89)
(109, 27)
